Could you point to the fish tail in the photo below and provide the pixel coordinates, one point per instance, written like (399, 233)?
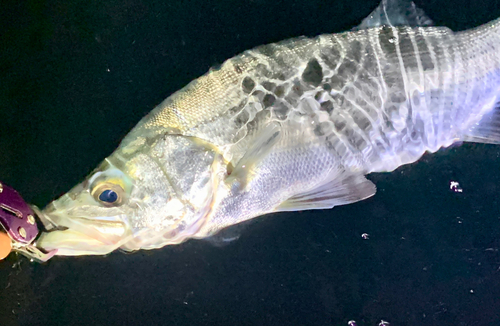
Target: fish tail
(482, 51)
(487, 130)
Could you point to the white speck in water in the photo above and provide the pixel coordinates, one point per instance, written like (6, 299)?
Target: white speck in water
(455, 186)
(365, 236)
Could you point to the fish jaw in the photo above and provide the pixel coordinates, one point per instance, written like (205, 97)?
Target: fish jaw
(76, 236)
(73, 243)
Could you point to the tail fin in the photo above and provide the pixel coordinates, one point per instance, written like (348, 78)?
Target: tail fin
(487, 130)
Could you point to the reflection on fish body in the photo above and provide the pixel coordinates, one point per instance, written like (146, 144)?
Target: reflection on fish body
(288, 126)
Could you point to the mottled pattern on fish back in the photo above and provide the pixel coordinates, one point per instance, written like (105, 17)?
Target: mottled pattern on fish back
(218, 106)
(377, 98)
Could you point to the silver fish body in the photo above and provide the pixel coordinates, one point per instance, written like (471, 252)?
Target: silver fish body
(288, 126)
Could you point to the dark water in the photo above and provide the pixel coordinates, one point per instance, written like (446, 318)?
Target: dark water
(76, 77)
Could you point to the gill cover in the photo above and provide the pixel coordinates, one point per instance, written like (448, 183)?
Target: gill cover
(193, 170)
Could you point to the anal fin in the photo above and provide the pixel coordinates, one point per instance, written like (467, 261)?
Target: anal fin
(341, 188)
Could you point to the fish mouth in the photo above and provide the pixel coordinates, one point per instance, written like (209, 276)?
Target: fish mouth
(77, 236)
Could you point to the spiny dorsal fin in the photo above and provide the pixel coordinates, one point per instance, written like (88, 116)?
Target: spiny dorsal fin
(395, 13)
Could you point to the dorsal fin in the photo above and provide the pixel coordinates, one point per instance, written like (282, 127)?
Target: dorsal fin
(395, 13)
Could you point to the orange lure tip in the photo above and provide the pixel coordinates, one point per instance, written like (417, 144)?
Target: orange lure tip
(5, 245)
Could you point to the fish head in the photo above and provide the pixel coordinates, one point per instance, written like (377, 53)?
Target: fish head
(141, 197)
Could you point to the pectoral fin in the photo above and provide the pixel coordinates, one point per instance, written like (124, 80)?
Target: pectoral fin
(344, 188)
(261, 146)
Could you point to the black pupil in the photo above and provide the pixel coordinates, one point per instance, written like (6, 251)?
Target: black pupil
(108, 196)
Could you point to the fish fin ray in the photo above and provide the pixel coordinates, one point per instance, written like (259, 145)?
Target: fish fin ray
(487, 130)
(395, 13)
(228, 235)
(344, 188)
(260, 148)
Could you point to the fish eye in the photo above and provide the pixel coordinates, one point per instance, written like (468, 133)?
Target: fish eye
(108, 194)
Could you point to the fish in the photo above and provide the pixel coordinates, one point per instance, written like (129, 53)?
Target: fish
(289, 126)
